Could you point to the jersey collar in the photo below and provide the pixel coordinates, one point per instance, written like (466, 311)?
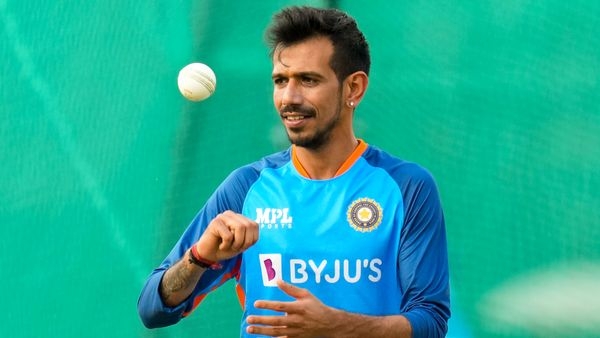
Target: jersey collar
(358, 151)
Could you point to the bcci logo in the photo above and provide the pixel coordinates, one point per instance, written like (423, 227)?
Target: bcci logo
(364, 215)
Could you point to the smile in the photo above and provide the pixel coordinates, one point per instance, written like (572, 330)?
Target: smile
(295, 118)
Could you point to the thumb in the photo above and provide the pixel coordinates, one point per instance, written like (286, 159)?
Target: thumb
(292, 290)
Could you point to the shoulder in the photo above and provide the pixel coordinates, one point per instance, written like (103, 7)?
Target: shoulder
(231, 193)
(247, 174)
(403, 172)
(274, 160)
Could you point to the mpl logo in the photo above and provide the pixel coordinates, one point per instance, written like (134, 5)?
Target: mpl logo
(270, 268)
(274, 218)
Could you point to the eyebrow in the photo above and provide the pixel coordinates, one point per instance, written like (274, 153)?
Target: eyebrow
(300, 74)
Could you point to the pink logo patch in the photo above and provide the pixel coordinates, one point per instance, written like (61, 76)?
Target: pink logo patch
(269, 267)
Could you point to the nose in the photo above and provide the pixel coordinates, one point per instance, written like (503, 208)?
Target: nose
(291, 94)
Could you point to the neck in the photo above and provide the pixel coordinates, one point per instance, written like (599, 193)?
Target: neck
(327, 161)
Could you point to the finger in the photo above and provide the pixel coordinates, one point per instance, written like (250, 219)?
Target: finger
(253, 238)
(267, 320)
(273, 305)
(224, 233)
(216, 237)
(270, 331)
(245, 231)
(240, 235)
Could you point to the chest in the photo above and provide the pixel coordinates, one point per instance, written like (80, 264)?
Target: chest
(338, 230)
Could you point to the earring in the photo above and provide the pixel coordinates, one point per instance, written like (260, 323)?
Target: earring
(351, 104)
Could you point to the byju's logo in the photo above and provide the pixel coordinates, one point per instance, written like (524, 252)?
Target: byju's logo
(325, 271)
(270, 268)
(273, 218)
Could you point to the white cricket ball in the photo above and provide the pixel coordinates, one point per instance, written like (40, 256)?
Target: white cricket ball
(196, 81)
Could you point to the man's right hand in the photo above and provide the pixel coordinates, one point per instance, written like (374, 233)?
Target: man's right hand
(227, 235)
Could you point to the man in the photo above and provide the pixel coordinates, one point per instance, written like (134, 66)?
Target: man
(330, 238)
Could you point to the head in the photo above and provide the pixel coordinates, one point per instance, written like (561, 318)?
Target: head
(295, 24)
(320, 66)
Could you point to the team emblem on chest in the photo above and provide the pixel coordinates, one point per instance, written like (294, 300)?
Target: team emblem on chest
(364, 214)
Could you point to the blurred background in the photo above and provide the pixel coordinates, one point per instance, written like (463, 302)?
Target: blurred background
(104, 163)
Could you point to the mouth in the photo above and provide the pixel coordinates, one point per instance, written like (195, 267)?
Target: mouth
(295, 120)
(295, 116)
(292, 117)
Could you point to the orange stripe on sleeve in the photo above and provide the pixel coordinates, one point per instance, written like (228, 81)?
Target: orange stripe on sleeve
(233, 273)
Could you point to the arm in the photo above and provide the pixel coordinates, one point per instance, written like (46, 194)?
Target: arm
(227, 235)
(306, 316)
(423, 249)
(352, 325)
(167, 293)
(179, 281)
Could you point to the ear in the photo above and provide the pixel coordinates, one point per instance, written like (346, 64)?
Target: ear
(355, 87)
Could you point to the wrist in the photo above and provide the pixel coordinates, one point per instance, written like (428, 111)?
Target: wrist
(195, 258)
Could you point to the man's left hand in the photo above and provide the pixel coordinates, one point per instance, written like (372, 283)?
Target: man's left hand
(305, 316)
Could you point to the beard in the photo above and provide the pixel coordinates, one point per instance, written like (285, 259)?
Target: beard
(321, 134)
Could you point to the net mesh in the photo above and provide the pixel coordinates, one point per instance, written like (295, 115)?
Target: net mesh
(104, 163)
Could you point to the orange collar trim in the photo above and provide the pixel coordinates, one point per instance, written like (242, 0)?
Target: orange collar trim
(358, 151)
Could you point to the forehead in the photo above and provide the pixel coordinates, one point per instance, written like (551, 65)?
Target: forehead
(313, 54)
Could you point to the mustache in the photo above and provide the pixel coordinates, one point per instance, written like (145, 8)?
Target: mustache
(297, 108)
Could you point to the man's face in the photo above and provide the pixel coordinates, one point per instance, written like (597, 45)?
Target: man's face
(306, 92)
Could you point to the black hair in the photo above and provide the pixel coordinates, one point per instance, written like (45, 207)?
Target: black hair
(298, 23)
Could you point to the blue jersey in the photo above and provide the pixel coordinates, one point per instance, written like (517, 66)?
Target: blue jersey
(370, 240)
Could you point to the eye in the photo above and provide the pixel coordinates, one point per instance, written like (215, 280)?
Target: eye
(279, 81)
(309, 81)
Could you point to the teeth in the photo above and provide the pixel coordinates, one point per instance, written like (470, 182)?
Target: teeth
(295, 118)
